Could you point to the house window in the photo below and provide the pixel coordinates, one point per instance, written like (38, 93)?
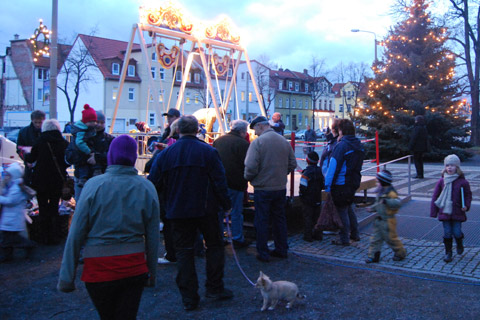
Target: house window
(152, 119)
(243, 75)
(230, 72)
(307, 104)
(196, 77)
(250, 96)
(280, 84)
(151, 97)
(42, 74)
(162, 73)
(306, 121)
(160, 96)
(154, 72)
(243, 95)
(287, 103)
(114, 93)
(349, 108)
(40, 94)
(287, 120)
(297, 86)
(131, 94)
(325, 104)
(154, 56)
(294, 103)
(131, 70)
(196, 99)
(290, 85)
(300, 103)
(187, 100)
(300, 119)
(189, 78)
(330, 105)
(306, 87)
(132, 122)
(340, 108)
(115, 69)
(178, 76)
(280, 102)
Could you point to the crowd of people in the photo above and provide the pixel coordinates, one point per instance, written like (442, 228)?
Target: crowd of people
(191, 188)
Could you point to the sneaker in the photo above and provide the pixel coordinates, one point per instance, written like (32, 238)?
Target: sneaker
(262, 259)
(222, 295)
(277, 254)
(241, 244)
(164, 260)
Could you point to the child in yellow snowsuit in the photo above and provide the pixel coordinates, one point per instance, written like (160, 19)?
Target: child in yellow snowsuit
(386, 205)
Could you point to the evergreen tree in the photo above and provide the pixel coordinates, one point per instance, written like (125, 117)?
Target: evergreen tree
(415, 77)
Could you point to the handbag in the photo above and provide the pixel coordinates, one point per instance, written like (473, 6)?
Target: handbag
(68, 184)
(329, 219)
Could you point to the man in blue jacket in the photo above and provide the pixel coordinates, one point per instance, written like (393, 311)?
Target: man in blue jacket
(343, 179)
(190, 179)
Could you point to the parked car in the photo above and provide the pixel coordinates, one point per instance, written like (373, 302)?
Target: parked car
(320, 134)
(12, 135)
(287, 134)
(300, 134)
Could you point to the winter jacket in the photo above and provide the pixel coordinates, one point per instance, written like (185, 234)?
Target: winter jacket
(310, 135)
(101, 144)
(419, 139)
(345, 164)
(457, 213)
(278, 127)
(27, 137)
(269, 160)
(118, 214)
(232, 149)
(12, 214)
(311, 185)
(327, 153)
(190, 179)
(82, 135)
(386, 203)
(46, 176)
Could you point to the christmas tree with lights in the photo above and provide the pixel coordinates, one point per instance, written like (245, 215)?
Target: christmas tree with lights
(415, 77)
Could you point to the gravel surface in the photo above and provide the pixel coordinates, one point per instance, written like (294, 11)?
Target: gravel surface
(333, 290)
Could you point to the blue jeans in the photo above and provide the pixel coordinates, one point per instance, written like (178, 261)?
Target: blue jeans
(350, 223)
(237, 214)
(270, 206)
(452, 228)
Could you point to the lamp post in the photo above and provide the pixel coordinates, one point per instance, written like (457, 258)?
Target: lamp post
(375, 37)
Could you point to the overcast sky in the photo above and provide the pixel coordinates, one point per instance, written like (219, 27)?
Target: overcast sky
(288, 31)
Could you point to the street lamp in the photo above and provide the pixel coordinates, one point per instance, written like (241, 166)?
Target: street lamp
(375, 36)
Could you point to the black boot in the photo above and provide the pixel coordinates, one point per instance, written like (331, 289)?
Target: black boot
(375, 259)
(459, 242)
(448, 249)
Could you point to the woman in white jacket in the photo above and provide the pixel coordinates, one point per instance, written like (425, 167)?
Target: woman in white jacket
(12, 214)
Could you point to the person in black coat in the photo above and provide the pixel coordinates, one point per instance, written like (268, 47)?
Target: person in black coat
(27, 137)
(419, 144)
(101, 144)
(48, 154)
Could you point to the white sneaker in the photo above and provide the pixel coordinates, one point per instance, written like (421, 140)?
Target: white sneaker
(164, 261)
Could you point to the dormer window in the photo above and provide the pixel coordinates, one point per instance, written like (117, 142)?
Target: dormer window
(306, 87)
(115, 69)
(297, 86)
(131, 71)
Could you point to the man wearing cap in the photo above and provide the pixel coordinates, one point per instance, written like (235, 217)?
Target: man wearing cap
(172, 115)
(190, 179)
(269, 160)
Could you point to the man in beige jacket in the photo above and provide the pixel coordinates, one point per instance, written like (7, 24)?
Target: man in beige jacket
(269, 160)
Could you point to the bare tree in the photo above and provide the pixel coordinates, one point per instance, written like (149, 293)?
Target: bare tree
(466, 36)
(76, 73)
(318, 75)
(267, 83)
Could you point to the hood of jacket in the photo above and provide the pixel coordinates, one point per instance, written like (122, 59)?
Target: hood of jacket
(353, 142)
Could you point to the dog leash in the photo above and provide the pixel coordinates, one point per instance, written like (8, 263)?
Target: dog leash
(229, 233)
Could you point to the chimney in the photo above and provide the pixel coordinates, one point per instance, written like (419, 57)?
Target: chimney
(305, 71)
(16, 36)
(281, 69)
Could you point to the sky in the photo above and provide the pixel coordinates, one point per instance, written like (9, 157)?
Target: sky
(288, 32)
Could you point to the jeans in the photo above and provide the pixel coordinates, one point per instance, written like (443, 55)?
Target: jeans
(236, 215)
(118, 299)
(350, 224)
(184, 234)
(270, 206)
(452, 228)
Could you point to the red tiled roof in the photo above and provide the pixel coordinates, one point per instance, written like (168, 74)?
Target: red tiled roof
(336, 89)
(103, 48)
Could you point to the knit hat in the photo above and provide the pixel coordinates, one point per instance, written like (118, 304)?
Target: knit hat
(312, 157)
(122, 151)
(385, 176)
(15, 170)
(452, 159)
(88, 114)
(100, 116)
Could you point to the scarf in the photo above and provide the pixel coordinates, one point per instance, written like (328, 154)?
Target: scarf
(445, 199)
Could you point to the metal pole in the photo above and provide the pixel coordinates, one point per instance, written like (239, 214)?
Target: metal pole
(53, 62)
